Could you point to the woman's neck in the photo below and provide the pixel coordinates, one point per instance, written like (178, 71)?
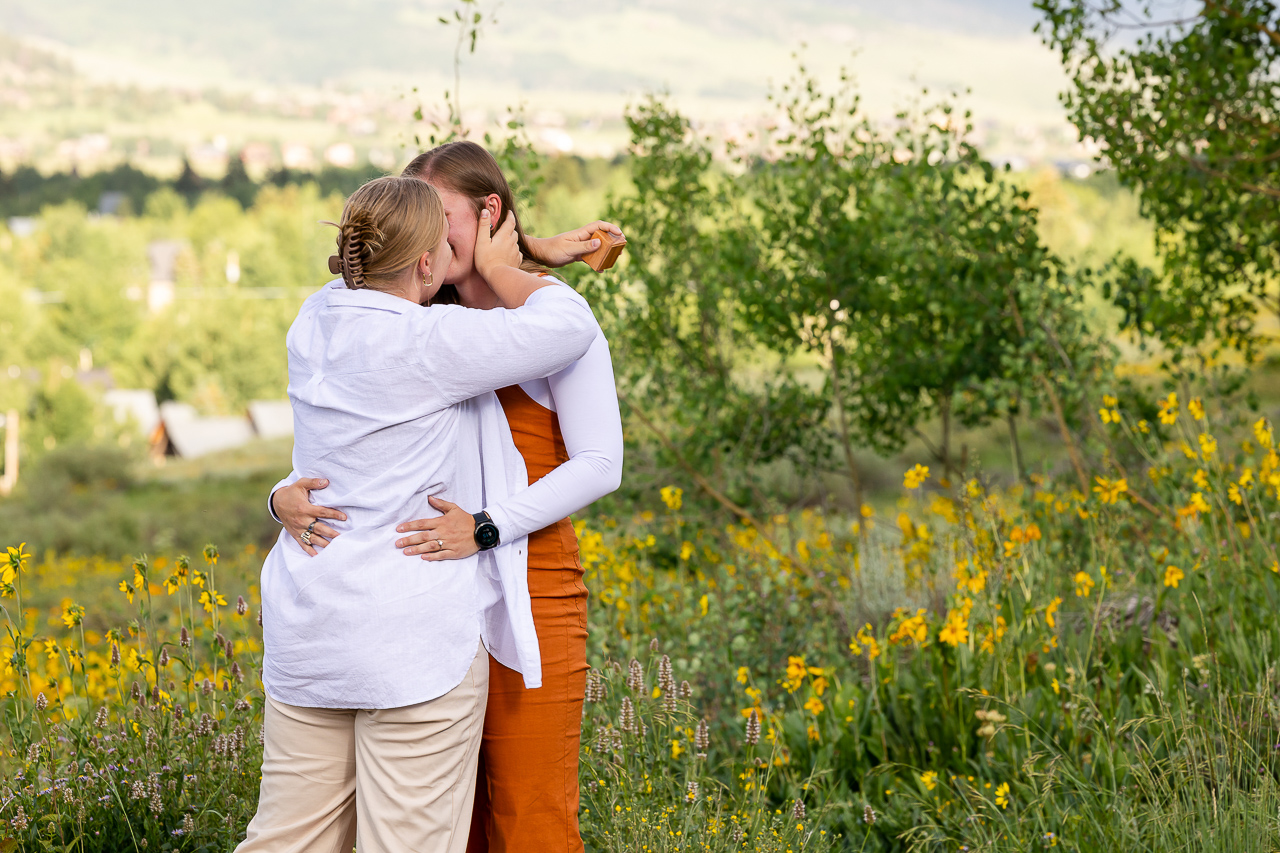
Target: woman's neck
(474, 292)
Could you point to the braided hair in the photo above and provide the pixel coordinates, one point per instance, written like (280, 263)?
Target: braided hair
(359, 240)
(387, 225)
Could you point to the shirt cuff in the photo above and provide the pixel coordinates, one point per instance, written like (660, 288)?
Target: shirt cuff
(502, 520)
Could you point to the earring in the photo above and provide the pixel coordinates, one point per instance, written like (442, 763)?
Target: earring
(427, 280)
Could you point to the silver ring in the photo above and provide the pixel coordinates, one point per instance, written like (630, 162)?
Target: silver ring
(312, 525)
(306, 536)
(439, 544)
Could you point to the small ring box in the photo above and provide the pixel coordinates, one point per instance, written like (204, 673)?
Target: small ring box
(611, 246)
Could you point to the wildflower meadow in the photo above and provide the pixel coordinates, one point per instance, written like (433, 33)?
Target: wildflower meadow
(1038, 666)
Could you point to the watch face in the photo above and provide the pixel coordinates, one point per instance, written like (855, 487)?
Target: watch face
(486, 535)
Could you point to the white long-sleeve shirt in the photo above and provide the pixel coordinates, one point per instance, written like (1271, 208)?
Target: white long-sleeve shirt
(392, 403)
(585, 399)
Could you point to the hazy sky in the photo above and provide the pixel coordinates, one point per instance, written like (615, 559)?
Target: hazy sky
(714, 55)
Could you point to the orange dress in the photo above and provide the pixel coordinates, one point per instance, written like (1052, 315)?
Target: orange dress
(527, 785)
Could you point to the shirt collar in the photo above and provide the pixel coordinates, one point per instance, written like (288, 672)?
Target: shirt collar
(342, 296)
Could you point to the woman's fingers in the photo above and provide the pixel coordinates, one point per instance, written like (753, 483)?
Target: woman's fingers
(420, 541)
(323, 531)
(599, 225)
(441, 504)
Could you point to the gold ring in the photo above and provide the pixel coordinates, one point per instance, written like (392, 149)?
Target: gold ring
(306, 536)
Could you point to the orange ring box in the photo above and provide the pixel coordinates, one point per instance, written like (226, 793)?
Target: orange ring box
(611, 246)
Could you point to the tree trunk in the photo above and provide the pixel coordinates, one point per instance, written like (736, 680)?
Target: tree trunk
(1018, 470)
(944, 404)
(855, 474)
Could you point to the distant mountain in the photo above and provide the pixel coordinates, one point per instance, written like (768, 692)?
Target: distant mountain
(574, 67)
(714, 52)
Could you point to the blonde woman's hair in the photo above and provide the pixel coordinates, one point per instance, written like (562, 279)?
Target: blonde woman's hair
(386, 226)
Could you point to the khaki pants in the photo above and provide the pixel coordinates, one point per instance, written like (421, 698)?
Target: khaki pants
(394, 780)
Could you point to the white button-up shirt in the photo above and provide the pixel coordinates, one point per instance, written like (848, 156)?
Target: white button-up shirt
(393, 403)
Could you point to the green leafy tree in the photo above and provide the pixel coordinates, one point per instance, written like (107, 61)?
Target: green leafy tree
(690, 370)
(916, 275)
(1185, 110)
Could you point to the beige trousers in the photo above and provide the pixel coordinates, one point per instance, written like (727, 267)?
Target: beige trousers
(389, 781)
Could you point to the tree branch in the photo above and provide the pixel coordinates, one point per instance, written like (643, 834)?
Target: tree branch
(1270, 192)
(697, 477)
(1232, 13)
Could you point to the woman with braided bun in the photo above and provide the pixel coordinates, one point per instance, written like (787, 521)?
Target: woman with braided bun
(569, 434)
(375, 664)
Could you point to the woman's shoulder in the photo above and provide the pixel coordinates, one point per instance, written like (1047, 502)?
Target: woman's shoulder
(573, 293)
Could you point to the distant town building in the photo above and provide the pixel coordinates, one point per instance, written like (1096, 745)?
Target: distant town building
(136, 404)
(271, 418)
(182, 432)
(257, 156)
(109, 202)
(163, 257)
(23, 226)
(341, 154)
(296, 155)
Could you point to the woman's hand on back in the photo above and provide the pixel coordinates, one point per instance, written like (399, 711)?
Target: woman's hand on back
(563, 249)
(451, 536)
(293, 506)
(492, 253)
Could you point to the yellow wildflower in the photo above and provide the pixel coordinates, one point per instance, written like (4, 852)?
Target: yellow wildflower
(796, 672)
(1084, 584)
(211, 597)
(929, 779)
(1173, 574)
(1109, 401)
(1002, 795)
(1109, 416)
(1109, 491)
(1051, 610)
(1196, 408)
(672, 496)
(915, 477)
(911, 628)
(72, 615)
(1144, 427)
(814, 705)
(1169, 409)
(1262, 432)
(1201, 479)
(1198, 501)
(864, 638)
(127, 589)
(1208, 445)
(676, 748)
(956, 631)
(743, 672)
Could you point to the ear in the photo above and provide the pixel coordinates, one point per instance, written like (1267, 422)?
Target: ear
(496, 213)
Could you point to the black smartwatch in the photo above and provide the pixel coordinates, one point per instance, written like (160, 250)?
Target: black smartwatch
(486, 533)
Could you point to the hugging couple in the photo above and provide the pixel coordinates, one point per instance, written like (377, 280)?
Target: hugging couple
(453, 403)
